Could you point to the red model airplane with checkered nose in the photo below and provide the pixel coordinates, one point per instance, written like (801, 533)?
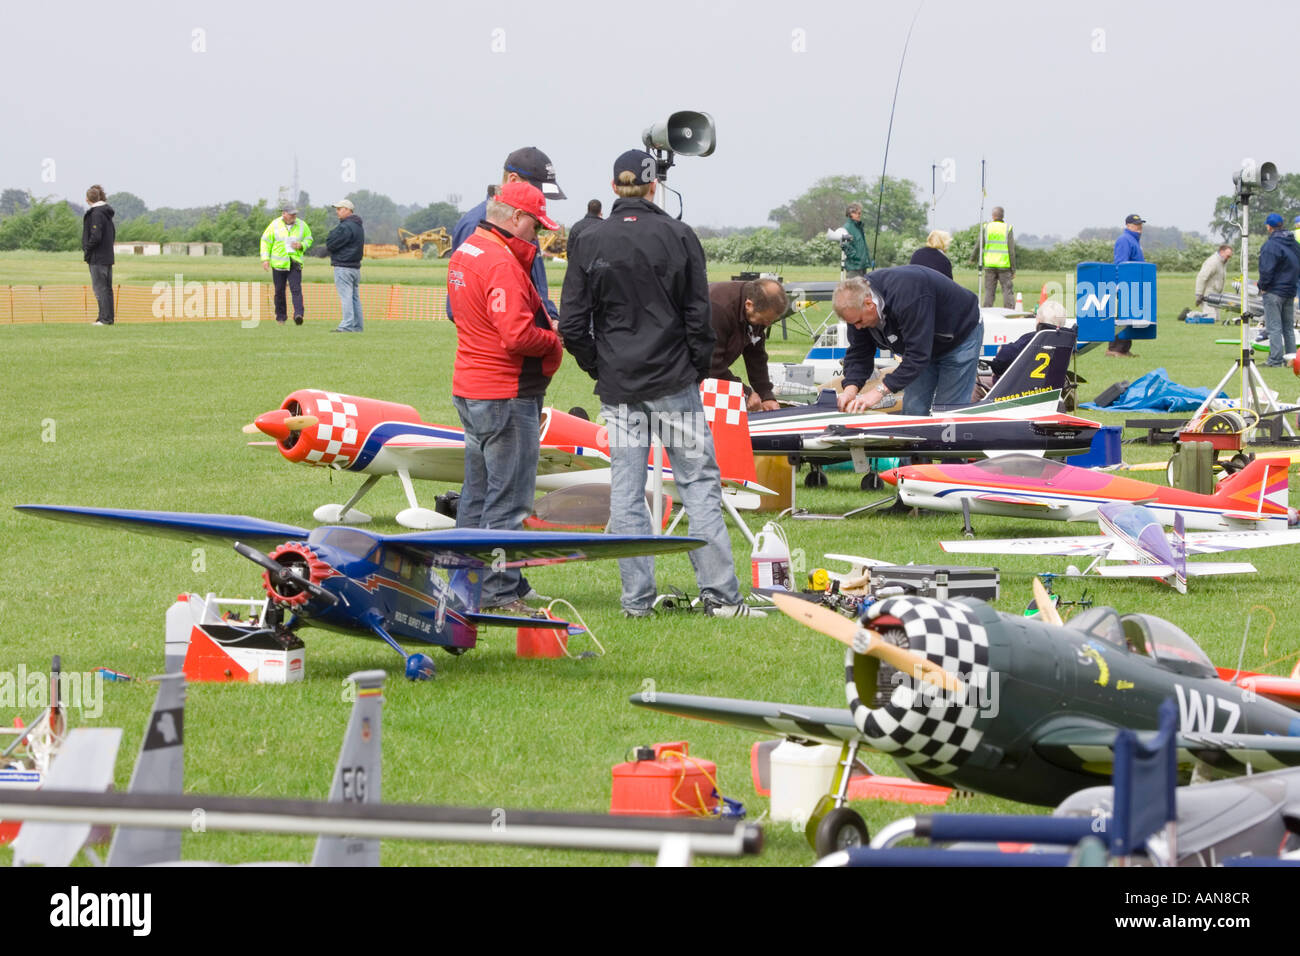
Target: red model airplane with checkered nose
(377, 438)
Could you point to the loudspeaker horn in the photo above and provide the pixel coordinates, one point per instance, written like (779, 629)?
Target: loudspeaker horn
(685, 132)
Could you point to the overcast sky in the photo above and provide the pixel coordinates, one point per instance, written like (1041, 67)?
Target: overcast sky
(1084, 112)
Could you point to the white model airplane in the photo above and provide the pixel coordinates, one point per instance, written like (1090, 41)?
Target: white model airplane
(1134, 534)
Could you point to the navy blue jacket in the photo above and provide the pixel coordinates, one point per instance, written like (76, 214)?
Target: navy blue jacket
(347, 243)
(1128, 247)
(925, 315)
(1279, 264)
(465, 227)
(932, 258)
(97, 235)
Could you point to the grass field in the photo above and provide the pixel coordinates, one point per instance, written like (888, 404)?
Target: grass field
(148, 416)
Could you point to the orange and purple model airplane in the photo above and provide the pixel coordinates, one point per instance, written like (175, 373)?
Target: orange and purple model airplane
(1026, 486)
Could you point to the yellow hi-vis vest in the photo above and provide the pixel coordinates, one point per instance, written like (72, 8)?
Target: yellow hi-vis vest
(275, 242)
(996, 253)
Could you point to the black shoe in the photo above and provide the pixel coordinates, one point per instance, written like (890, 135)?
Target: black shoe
(297, 320)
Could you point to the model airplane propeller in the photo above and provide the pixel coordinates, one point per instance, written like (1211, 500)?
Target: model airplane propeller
(384, 586)
(1039, 707)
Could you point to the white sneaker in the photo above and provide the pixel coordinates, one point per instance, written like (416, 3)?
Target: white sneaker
(733, 610)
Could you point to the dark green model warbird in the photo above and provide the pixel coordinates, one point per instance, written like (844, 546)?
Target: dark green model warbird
(962, 695)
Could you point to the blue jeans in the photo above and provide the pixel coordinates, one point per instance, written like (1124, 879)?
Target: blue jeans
(348, 283)
(1279, 320)
(949, 379)
(501, 451)
(679, 422)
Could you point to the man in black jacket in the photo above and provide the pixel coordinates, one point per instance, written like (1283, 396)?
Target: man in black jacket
(592, 218)
(930, 322)
(97, 235)
(346, 244)
(635, 314)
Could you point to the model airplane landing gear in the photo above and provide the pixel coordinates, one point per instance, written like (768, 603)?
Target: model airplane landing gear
(816, 478)
(832, 825)
(420, 667)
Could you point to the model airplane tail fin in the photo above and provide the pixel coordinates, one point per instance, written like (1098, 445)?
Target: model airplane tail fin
(1035, 378)
(84, 762)
(1260, 486)
(724, 410)
(358, 775)
(1179, 547)
(562, 430)
(160, 768)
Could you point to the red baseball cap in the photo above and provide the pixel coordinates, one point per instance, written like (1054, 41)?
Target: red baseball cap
(529, 199)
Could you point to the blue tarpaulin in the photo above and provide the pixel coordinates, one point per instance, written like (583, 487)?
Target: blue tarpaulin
(1153, 392)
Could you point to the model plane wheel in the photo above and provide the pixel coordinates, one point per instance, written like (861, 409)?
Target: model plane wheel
(420, 667)
(839, 830)
(870, 481)
(816, 478)
(455, 651)
(824, 806)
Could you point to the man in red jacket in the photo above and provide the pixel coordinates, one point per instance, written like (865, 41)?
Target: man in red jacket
(507, 349)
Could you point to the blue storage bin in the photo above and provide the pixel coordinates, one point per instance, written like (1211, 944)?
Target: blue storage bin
(1105, 450)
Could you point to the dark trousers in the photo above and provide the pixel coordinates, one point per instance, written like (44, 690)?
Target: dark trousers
(293, 276)
(101, 280)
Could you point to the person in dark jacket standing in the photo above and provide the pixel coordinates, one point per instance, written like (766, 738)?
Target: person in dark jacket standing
(932, 323)
(636, 317)
(97, 235)
(1279, 274)
(857, 256)
(741, 314)
(582, 225)
(528, 164)
(346, 243)
(1128, 248)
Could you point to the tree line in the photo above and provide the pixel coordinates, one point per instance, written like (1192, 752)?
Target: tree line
(54, 225)
(797, 239)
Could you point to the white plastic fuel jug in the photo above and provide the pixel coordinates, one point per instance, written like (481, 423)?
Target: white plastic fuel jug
(771, 558)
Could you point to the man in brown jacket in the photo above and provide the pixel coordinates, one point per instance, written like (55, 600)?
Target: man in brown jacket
(742, 314)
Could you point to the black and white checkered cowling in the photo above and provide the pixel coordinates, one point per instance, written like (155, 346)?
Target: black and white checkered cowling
(921, 725)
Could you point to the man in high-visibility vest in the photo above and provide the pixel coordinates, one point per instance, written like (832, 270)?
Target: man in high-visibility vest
(283, 244)
(998, 257)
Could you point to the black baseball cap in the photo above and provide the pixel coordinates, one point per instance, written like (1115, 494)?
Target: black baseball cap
(638, 162)
(1133, 218)
(532, 164)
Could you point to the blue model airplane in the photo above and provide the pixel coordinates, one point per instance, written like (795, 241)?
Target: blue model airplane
(378, 585)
